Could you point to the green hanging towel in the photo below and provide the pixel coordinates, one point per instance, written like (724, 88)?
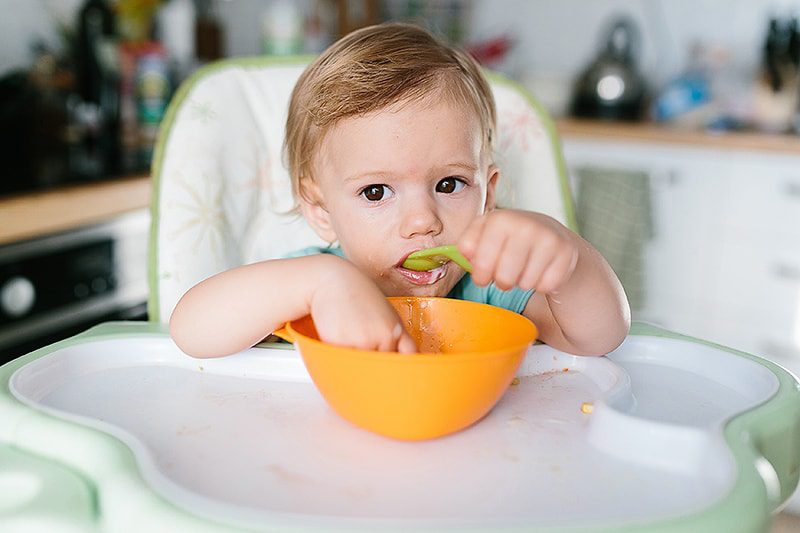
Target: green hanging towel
(614, 214)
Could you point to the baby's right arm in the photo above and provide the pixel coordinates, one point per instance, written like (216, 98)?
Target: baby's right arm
(235, 309)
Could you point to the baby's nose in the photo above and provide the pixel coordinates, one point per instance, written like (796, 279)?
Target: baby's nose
(420, 217)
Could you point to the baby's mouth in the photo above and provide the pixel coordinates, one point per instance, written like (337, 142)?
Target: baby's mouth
(427, 277)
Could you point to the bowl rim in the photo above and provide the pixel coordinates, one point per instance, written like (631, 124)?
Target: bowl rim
(424, 356)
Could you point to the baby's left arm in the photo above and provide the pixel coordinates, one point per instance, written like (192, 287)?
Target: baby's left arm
(579, 305)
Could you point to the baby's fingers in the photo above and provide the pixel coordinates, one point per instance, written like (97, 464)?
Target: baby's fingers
(531, 278)
(468, 243)
(406, 344)
(487, 255)
(397, 340)
(511, 265)
(558, 271)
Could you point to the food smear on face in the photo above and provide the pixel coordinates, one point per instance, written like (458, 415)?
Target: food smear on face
(424, 277)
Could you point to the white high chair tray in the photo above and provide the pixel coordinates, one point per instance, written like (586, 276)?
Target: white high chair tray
(248, 441)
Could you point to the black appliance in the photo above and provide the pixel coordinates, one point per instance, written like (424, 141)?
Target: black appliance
(612, 87)
(59, 285)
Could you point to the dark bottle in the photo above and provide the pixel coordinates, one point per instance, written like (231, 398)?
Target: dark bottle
(794, 57)
(772, 56)
(793, 44)
(98, 80)
(96, 24)
(207, 33)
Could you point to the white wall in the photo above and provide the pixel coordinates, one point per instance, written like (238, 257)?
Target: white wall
(552, 36)
(26, 21)
(563, 36)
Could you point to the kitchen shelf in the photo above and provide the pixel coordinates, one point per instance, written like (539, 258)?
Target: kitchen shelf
(35, 214)
(655, 134)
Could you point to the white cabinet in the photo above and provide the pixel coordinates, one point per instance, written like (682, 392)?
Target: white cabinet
(724, 260)
(758, 289)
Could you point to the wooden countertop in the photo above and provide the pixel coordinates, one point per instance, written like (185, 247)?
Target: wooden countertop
(655, 134)
(35, 214)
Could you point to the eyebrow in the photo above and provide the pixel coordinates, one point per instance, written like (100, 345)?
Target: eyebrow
(466, 166)
(382, 173)
(376, 173)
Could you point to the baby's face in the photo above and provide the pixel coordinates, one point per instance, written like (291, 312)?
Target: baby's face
(399, 180)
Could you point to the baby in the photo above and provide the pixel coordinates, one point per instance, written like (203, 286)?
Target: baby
(389, 147)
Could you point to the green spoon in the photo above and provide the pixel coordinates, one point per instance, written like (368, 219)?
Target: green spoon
(431, 258)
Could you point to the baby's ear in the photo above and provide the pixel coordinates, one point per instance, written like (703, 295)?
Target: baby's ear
(314, 211)
(492, 175)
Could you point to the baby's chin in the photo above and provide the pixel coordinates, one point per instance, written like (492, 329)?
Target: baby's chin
(427, 290)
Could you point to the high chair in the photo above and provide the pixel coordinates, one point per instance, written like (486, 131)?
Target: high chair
(116, 429)
(223, 196)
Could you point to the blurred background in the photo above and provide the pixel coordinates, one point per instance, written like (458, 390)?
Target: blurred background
(679, 122)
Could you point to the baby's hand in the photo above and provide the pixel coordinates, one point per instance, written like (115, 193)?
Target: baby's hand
(520, 249)
(349, 310)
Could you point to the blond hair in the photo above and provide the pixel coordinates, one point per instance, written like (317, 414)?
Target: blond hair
(369, 70)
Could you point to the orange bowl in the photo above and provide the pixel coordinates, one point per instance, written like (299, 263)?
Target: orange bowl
(470, 353)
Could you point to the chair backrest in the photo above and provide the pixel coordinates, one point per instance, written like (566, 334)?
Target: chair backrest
(221, 194)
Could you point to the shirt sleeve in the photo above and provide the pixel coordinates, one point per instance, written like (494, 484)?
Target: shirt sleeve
(314, 250)
(514, 300)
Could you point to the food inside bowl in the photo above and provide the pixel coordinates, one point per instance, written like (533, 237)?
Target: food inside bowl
(469, 355)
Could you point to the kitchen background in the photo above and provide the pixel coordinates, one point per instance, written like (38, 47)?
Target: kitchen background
(679, 121)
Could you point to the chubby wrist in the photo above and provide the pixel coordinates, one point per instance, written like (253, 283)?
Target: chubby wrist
(329, 267)
(329, 271)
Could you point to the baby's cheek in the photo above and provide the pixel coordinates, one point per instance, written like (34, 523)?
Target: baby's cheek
(373, 268)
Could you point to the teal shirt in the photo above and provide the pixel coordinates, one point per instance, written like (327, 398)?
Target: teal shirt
(514, 300)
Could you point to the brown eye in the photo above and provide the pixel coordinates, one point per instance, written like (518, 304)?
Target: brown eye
(375, 193)
(449, 185)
